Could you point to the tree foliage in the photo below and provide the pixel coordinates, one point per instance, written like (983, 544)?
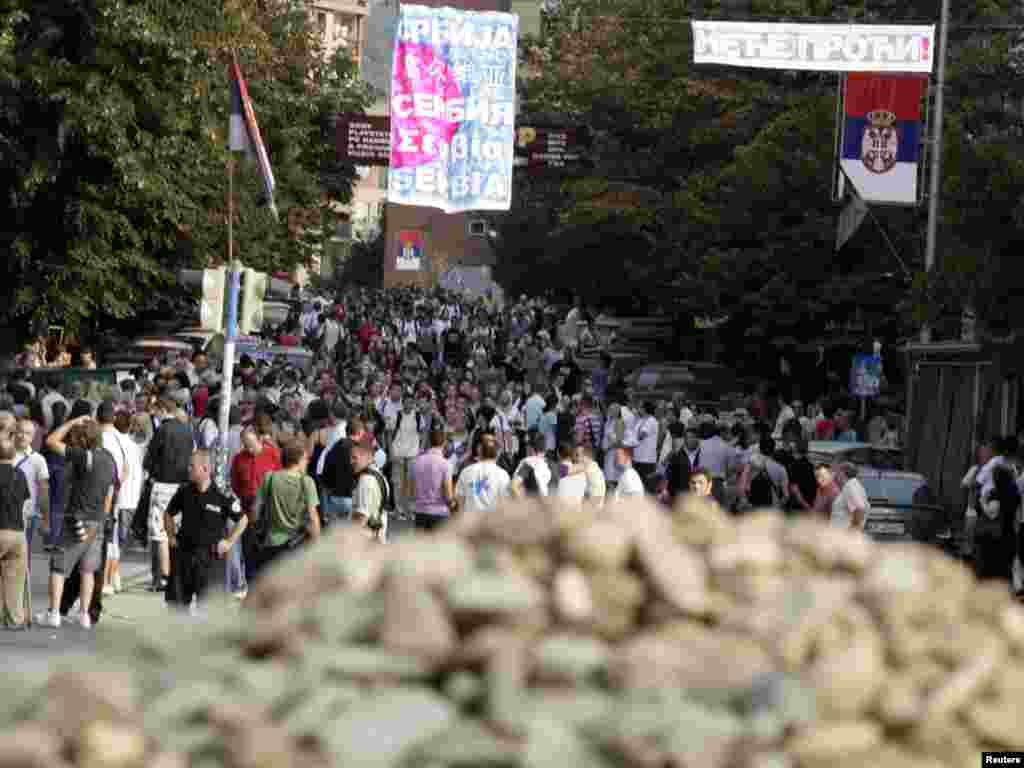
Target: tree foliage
(740, 162)
(113, 139)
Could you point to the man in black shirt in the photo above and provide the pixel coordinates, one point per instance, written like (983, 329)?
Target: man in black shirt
(91, 494)
(568, 368)
(454, 348)
(338, 477)
(684, 459)
(200, 543)
(14, 552)
(803, 487)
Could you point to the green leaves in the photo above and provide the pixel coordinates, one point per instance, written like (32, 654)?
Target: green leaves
(742, 161)
(143, 106)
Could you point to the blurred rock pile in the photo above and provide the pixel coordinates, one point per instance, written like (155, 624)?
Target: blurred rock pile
(549, 637)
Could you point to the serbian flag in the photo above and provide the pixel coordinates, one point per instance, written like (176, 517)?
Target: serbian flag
(244, 133)
(881, 144)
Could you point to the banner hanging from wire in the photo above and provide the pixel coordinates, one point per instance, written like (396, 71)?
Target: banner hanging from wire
(453, 101)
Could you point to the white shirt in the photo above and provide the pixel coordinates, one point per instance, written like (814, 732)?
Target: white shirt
(406, 444)
(647, 433)
(596, 486)
(389, 412)
(331, 333)
(984, 476)
(117, 446)
(572, 489)
(630, 484)
(541, 471)
(853, 496)
(131, 491)
(481, 485)
(786, 415)
(209, 431)
(33, 467)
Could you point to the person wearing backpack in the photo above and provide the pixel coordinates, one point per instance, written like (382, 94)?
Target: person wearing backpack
(285, 511)
(90, 502)
(404, 441)
(768, 482)
(372, 496)
(533, 475)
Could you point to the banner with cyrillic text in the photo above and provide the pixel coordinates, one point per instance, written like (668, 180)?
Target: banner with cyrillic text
(819, 47)
(453, 100)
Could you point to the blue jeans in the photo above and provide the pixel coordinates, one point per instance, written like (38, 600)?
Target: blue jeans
(234, 570)
(33, 524)
(335, 509)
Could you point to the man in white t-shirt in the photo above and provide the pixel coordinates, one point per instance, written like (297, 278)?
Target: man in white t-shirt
(483, 483)
(850, 508)
(572, 480)
(117, 446)
(37, 475)
(645, 456)
(630, 484)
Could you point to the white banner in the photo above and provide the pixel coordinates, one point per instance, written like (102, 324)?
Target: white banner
(819, 47)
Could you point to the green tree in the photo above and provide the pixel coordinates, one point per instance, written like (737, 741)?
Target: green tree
(113, 145)
(740, 163)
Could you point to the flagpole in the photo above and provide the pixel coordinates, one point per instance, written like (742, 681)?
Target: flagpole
(935, 182)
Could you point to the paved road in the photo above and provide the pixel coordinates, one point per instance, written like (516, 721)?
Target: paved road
(36, 649)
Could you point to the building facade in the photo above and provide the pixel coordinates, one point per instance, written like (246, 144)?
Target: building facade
(447, 240)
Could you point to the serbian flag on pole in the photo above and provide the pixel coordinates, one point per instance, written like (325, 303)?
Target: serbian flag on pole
(245, 133)
(881, 144)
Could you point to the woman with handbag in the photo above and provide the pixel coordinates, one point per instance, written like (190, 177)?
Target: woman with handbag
(285, 511)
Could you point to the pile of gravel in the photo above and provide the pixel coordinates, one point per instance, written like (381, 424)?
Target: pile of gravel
(549, 637)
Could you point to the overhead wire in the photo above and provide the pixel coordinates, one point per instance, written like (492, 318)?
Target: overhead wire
(659, 20)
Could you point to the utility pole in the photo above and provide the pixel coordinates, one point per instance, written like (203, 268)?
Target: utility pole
(935, 182)
(230, 334)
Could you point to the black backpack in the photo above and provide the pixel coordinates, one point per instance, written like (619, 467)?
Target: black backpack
(528, 476)
(763, 492)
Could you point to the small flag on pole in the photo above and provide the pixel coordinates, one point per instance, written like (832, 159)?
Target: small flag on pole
(850, 218)
(244, 133)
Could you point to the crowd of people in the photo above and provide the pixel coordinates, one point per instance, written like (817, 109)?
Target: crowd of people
(419, 406)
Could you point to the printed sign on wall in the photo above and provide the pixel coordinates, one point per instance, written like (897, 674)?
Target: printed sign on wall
(410, 251)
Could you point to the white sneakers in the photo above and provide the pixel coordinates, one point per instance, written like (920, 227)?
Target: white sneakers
(48, 619)
(52, 619)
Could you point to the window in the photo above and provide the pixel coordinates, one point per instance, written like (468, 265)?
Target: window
(321, 23)
(478, 228)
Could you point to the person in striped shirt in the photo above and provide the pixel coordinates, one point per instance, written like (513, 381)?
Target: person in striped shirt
(589, 425)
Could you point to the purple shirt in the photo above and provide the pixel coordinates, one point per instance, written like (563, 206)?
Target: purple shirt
(429, 471)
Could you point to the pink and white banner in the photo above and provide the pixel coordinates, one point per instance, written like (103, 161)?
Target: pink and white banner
(453, 101)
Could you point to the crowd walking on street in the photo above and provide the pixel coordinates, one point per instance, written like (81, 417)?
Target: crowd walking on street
(419, 406)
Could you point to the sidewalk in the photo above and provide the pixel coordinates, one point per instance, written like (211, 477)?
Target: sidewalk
(37, 646)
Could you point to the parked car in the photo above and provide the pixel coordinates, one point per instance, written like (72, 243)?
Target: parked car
(903, 505)
(861, 454)
(141, 350)
(702, 382)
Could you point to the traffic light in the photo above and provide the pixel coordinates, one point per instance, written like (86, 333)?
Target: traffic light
(250, 302)
(211, 284)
